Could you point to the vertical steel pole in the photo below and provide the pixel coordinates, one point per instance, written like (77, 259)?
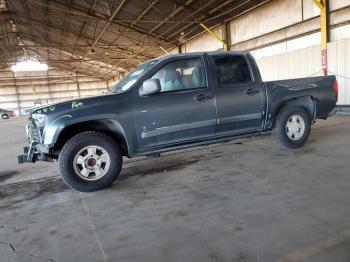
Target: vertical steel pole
(78, 85)
(227, 35)
(323, 6)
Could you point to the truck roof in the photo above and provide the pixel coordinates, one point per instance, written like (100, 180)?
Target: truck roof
(201, 53)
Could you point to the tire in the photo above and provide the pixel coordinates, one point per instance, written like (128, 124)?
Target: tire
(90, 161)
(292, 120)
(5, 116)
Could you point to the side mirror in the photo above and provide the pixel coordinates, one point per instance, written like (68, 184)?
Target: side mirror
(150, 86)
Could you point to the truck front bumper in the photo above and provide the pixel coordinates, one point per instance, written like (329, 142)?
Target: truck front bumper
(35, 151)
(27, 157)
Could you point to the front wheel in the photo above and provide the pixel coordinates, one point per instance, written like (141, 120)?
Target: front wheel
(5, 116)
(292, 127)
(90, 161)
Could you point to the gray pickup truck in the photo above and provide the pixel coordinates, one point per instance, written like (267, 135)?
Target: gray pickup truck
(171, 103)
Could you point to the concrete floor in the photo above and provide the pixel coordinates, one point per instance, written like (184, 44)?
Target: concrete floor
(239, 201)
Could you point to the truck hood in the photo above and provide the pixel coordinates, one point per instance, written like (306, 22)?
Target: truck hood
(71, 104)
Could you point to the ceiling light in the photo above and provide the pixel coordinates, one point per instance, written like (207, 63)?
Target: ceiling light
(30, 65)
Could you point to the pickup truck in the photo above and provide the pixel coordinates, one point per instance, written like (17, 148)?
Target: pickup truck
(171, 103)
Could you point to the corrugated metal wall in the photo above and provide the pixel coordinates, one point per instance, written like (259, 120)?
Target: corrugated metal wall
(300, 63)
(284, 20)
(307, 62)
(339, 64)
(204, 42)
(24, 90)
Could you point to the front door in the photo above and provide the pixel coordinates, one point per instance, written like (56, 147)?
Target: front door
(183, 111)
(239, 96)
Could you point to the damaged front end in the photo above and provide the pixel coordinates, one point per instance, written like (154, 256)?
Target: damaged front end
(35, 150)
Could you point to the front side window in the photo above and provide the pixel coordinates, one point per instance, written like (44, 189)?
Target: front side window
(181, 75)
(232, 70)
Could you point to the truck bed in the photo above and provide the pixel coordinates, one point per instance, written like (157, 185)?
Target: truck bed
(320, 89)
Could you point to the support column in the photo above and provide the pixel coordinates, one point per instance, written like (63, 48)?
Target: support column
(78, 86)
(323, 6)
(16, 90)
(49, 86)
(179, 49)
(227, 35)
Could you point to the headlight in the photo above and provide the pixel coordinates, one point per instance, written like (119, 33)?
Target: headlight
(40, 119)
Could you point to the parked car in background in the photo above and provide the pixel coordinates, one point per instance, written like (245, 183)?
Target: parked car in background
(170, 103)
(6, 114)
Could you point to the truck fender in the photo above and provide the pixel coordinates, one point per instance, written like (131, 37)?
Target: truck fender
(64, 127)
(307, 102)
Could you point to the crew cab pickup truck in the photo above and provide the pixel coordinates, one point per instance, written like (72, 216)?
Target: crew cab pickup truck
(171, 103)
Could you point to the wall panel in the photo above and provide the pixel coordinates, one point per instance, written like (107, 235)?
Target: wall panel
(307, 62)
(274, 16)
(337, 4)
(28, 89)
(204, 42)
(339, 64)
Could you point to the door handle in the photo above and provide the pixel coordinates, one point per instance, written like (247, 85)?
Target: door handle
(202, 97)
(252, 91)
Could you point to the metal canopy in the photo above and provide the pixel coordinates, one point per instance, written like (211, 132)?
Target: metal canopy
(105, 38)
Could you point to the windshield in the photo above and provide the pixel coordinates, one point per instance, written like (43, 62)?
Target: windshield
(132, 77)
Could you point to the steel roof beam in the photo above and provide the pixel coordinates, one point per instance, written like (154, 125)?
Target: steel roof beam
(201, 18)
(176, 11)
(102, 41)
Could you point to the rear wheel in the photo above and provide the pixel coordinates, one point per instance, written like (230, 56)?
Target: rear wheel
(292, 127)
(5, 116)
(90, 161)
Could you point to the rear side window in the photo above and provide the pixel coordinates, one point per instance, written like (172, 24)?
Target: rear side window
(232, 70)
(181, 75)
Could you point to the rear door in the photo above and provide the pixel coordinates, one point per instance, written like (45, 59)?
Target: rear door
(239, 96)
(183, 111)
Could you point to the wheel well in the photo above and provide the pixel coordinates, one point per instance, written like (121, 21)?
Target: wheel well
(104, 126)
(307, 102)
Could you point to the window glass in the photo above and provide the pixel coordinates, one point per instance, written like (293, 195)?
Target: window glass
(232, 70)
(132, 77)
(182, 74)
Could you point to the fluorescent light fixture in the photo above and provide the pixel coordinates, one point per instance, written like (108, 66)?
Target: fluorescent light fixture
(28, 66)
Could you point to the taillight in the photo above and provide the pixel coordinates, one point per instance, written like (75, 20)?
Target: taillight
(335, 87)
